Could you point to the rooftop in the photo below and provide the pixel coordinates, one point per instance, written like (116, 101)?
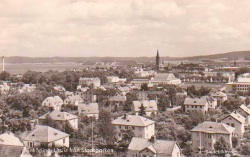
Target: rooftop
(213, 127)
(43, 133)
(158, 147)
(132, 120)
(58, 115)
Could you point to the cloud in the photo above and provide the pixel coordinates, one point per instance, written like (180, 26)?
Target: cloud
(122, 28)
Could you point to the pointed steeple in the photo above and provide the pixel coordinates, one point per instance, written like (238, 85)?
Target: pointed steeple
(157, 61)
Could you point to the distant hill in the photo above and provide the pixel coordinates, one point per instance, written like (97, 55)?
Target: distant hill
(19, 59)
(229, 55)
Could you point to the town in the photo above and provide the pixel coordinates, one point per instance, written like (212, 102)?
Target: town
(157, 108)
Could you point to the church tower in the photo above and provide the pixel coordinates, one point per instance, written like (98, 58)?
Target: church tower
(157, 61)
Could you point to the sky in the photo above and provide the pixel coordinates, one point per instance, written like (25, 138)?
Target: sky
(123, 28)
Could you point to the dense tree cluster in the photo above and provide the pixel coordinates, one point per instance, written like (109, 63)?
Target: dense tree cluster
(192, 91)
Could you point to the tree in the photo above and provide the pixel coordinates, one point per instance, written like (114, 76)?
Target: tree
(106, 129)
(235, 141)
(246, 149)
(142, 111)
(222, 147)
(127, 135)
(69, 129)
(183, 134)
(172, 91)
(144, 87)
(163, 102)
(5, 76)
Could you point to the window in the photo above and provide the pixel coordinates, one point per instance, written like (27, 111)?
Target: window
(209, 136)
(133, 127)
(210, 144)
(63, 140)
(232, 124)
(126, 127)
(120, 127)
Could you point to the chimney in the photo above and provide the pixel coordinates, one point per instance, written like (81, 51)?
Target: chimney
(125, 116)
(3, 62)
(153, 139)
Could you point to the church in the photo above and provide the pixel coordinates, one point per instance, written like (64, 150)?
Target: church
(163, 78)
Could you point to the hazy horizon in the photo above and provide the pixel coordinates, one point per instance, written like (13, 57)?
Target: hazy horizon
(131, 28)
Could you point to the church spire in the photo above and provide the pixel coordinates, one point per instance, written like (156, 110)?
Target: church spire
(157, 61)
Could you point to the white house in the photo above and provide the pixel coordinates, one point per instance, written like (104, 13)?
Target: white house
(118, 98)
(95, 81)
(212, 102)
(196, 104)
(61, 118)
(153, 147)
(149, 105)
(73, 100)
(142, 95)
(54, 101)
(207, 133)
(124, 90)
(141, 126)
(237, 121)
(90, 109)
(59, 88)
(244, 111)
(27, 88)
(45, 137)
(220, 96)
(86, 95)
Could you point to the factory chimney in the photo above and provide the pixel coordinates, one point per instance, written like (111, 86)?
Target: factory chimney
(3, 63)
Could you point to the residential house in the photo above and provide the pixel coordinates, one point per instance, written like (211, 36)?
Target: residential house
(220, 96)
(196, 104)
(87, 96)
(237, 121)
(141, 126)
(153, 147)
(59, 88)
(90, 109)
(27, 88)
(11, 145)
(61, 118)
(68, 93)
(124, 90)
(118, 99)
(207, 133)
(244, 111)
(142, 95)
(45, 137)
(212, 102)
(54, 101)
(73, 100)
(95, 81)
(149, 105)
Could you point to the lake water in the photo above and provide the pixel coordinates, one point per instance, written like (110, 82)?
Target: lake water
(22, 68)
